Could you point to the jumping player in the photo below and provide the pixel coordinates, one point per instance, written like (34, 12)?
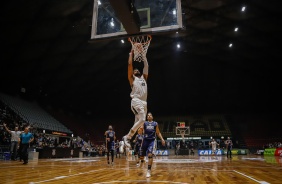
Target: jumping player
(150, 130)
(138, 84)
(110, 143)
(138, 141)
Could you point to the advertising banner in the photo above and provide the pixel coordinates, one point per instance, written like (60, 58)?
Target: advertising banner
(237, 152)
(242, 152)
(269, 151)
(162, 152)
(209, 152)
(278, 152)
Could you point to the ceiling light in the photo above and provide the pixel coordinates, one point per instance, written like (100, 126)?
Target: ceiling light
(176, 32)
(99, 2)
(178, 45)
(230, 45)
(174, 12)
(243, 8)
(122, 41)
(236, 29)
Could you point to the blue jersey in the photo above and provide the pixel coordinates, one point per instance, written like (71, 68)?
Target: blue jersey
(110, 134)
(150, 130)
(139, 139)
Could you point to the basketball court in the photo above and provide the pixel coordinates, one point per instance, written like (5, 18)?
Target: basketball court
(136, 22)
(167, 169)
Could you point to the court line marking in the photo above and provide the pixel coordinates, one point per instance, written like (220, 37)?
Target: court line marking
(61, 177)
(148, 180)
(262, 182)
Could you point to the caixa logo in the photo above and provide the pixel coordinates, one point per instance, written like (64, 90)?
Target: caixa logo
(162, 152)
(209, 152)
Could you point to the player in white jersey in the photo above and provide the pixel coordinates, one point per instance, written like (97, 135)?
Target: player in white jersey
(213, 143)
(138, 84)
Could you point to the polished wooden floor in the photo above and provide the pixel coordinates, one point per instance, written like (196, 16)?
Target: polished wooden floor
(246, 169)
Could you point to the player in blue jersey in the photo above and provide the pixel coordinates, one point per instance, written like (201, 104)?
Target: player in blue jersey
(138, 141)
(110, 143)
(150, 130)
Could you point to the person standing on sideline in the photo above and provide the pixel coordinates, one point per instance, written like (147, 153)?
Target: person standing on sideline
(214, 144)
(138, 141)
(15, 135)
(26, 138)
(138, 84)
(229, 145)
(110, 143)
(150, 130)
(177, 148)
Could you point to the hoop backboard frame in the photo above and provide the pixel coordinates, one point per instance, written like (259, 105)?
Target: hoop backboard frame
(150, 28)
(180, 130)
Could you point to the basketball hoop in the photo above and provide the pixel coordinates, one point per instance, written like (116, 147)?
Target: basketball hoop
(182, 133)
(140, 45)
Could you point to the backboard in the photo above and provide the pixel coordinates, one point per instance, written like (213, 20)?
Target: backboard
(154, 16)
(182, 131)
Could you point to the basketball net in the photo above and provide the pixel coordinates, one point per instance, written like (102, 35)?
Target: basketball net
(140, 45)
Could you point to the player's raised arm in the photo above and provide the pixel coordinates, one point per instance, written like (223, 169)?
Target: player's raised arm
(130, 68)
(4, 124)
(146, 68)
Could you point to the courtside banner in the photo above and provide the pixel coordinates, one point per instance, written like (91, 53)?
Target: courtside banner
(278, 152)
(162, 152)
(237, 152)
(269, 151)
(209, 152)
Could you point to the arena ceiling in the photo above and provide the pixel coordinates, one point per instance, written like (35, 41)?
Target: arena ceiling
(46, 50)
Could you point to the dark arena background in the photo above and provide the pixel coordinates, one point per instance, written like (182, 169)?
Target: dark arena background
(218, 75)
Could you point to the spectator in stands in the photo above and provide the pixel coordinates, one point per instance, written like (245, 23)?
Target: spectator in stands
(229, 145)
(15, 136)
(192, 148)
(26, 138)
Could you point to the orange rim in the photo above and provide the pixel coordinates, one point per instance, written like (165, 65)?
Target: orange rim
(129, 39)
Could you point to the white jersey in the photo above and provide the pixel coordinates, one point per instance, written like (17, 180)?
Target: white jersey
(214, 144)
(139, 88)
